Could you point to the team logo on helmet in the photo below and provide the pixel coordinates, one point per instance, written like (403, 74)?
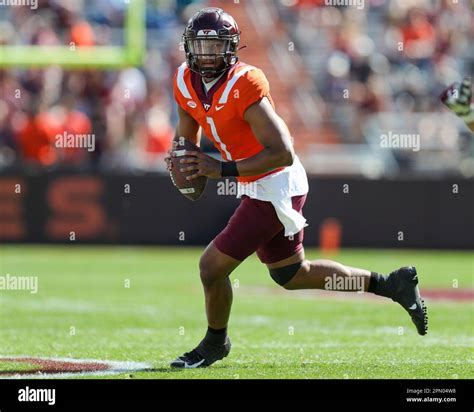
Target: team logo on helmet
(207, 32)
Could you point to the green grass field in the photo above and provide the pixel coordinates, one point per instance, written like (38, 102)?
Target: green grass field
(275, 333)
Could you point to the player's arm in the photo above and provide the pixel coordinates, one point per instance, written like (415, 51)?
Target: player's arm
(272, 133)
(457, 98)
(188, 128)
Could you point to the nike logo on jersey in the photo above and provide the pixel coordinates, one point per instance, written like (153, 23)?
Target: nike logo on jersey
(219, 108)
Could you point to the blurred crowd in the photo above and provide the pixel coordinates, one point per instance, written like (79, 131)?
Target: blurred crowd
(375, 55)
(129, 112)
(392, 55)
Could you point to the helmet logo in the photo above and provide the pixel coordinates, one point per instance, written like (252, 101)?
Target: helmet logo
(207, 32)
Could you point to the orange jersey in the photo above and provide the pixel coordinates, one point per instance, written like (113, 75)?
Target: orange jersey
(220, 113)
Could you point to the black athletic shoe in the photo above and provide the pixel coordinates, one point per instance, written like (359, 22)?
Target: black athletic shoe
(202, 356)
(404, 283)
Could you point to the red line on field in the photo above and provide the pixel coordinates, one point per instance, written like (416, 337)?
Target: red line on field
(457, 295)
(49, 366)
(448, 294)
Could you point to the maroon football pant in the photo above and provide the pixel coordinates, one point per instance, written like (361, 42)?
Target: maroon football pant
(255, 227)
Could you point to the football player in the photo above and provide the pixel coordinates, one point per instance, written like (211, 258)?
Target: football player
(231, 102)
(457, 98)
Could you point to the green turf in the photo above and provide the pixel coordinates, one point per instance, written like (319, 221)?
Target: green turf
(275, 333)
(17, 366)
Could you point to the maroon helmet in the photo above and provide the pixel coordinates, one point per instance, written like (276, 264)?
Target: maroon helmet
(210, 40)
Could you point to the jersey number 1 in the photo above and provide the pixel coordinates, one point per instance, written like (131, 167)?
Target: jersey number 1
(215, 135)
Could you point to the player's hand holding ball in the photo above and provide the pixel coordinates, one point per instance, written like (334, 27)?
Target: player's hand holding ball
(201, 165)
(169, 158)
(189, 168)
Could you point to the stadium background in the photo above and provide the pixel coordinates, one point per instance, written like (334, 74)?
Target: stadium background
(339, 77)
(340, 81)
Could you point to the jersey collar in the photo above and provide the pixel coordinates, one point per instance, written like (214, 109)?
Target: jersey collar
(206, 100)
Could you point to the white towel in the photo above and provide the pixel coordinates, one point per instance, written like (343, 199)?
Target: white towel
(278, 188)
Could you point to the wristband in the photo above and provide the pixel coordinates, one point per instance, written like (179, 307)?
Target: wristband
(229, 169)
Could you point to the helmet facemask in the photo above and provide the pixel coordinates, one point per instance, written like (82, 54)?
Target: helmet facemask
(210, 55)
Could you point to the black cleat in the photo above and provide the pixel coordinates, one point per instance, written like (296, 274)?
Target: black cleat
(204, 355)
(404, 283)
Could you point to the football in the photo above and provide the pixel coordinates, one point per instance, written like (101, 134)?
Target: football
(192, 189)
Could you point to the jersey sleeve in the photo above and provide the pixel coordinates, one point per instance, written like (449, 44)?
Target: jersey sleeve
(176, 92)
(251, 88)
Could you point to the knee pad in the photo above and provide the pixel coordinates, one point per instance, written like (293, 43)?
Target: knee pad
(284, 274)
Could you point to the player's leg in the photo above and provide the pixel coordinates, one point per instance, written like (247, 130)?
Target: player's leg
(295, 272)
(400, 285)
(215, 268)
(322, 274)
(285, 259)
(248, 228)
